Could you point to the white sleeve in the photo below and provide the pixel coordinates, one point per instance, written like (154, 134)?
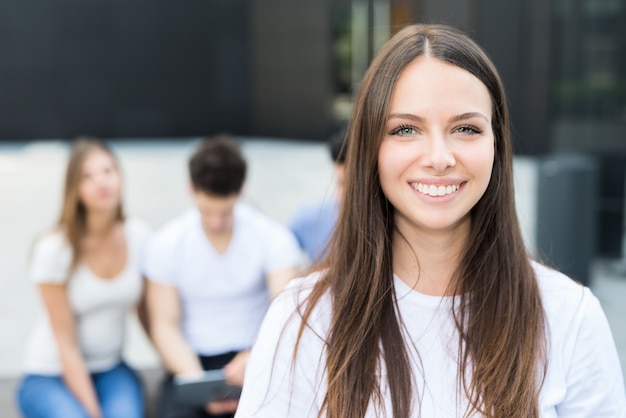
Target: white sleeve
(141, 232)
(160, 258)
(50, 261)
(595, 387)
(274, 385)
(283, 250)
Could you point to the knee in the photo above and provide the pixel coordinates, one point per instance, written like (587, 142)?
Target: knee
(46, 397)
(123, 407)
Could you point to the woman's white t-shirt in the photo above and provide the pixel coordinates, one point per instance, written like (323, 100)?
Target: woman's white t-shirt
(100, 306)
(584, 377)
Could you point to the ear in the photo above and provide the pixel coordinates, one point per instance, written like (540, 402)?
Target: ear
(192, 189)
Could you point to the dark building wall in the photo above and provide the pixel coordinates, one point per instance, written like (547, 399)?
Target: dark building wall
(517, 36)
(291, 49)
(153, 68)
(119, 68)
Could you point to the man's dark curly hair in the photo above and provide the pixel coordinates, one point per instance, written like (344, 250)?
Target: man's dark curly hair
(217, 167)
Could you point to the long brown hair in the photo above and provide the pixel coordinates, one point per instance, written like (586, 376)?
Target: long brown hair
(498, 310)
(73, 219)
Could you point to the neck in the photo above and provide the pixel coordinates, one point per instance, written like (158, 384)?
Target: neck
(100, 223)
(428, 261)
(220, 240)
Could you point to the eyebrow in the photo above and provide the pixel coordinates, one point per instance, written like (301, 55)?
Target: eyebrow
(456, 118)
(408, 116)
(468, 115)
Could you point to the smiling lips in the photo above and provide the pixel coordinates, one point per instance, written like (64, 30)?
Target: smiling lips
(435, 190)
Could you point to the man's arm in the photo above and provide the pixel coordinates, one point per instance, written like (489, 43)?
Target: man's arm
(164, 311)
(235, 369)
(277, 280)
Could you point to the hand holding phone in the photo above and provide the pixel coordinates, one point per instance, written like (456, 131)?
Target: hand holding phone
(198, 391)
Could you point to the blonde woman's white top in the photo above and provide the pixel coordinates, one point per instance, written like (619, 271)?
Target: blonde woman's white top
(100, 306)
(584, 378)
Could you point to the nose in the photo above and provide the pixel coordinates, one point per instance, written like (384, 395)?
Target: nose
(439, 154)
(100, 180)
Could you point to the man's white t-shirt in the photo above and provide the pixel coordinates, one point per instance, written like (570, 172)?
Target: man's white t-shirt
(223, 296)
(584, 378)
(100, 306)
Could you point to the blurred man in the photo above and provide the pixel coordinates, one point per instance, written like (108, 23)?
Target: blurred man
(211, 273)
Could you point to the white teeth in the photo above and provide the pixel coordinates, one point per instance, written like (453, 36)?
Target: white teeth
(432, 190)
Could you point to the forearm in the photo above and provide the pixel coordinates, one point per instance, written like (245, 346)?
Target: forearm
(78, 381)
(175, 353)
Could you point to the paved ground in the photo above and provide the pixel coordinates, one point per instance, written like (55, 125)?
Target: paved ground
(282, 175)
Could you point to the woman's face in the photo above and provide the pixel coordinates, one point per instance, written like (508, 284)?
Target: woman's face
(100, 183)
(437, 153)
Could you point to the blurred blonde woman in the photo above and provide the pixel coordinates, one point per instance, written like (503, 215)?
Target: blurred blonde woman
(87, 273)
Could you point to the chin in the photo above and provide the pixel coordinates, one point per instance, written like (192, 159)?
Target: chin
(112, 209)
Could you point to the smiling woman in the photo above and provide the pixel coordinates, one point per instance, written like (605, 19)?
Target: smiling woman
(441, 146)
(429, 304)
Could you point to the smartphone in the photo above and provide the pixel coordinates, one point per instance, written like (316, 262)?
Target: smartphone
(200, 390)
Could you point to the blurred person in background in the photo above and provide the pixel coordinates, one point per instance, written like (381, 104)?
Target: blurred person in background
(211, 273)
(87, 271)
(313, 224)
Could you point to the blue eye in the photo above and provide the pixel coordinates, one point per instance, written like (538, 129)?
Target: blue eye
(469, 130)
(404, 130)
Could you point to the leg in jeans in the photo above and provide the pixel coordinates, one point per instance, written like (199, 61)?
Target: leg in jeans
(120, 392)
(168, 406)
(47, 397)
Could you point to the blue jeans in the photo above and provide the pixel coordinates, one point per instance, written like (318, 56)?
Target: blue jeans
(119, 391)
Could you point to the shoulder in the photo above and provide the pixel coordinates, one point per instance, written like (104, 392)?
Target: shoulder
(50, 258)
(164, 244)
(249, 214)
(584, 375)
(280, 380)
(571, 309)
(298, 289)
(256, 221)
(283, 325)
(51, 243)
(293, 300)
(175, 229)
(161, 257)
(560, 294)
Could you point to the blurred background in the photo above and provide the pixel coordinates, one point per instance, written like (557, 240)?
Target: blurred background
(153, 76)
(289, 69)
